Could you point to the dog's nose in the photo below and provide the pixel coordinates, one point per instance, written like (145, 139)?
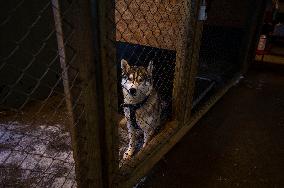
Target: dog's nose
(132, 91)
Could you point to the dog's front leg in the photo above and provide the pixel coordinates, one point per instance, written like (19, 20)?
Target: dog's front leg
(148, 134)
(132, 142)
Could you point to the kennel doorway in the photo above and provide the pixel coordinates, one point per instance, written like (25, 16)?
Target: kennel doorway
(225, 45)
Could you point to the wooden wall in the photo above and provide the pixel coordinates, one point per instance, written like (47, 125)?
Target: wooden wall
(149, 22)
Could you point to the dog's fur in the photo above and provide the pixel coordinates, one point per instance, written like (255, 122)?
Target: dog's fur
(140, 79)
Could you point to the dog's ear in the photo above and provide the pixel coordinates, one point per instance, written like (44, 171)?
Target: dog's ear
(150, 68)
(124, 66)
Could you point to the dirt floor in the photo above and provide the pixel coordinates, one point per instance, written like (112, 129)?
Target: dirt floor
(239, 142)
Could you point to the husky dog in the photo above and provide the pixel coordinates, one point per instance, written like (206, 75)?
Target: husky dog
(141, 106)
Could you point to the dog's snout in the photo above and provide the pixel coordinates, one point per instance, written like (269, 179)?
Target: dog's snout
(132, 91)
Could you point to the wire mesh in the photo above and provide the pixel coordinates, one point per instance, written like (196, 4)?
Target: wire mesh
(41, 84)
(35, 143)
(151, 39)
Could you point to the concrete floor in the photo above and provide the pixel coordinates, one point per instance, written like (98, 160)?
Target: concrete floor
(239, 142)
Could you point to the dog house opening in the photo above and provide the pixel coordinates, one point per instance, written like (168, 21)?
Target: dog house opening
(145, 93)
(150, 36)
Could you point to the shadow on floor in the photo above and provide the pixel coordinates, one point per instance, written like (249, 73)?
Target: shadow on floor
(238, 143)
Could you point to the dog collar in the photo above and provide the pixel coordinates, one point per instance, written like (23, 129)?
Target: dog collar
(132, 109)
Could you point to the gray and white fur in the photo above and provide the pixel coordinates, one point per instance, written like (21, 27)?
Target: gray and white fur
(137, 85)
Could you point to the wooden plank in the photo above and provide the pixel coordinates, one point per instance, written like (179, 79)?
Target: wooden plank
(193, 71)
(103, 22)
(84, 99)
(90, 60)
(85, 126)
(183, 65)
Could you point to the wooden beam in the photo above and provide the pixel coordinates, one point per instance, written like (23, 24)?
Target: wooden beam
(183, 75)
(90, 60)
(103, 24)
(193, 70)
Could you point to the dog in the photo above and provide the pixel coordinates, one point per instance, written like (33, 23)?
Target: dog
(142, 107)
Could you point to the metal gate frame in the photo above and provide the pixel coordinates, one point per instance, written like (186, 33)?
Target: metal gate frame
(95, 139)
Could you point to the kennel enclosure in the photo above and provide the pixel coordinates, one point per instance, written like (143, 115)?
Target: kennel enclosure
(61, 80)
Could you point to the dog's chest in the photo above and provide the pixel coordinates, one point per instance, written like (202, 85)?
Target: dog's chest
(147, 115)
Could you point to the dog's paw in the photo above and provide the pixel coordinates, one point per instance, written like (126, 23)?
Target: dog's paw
(126, 156)
(128, 153)
(144, 145)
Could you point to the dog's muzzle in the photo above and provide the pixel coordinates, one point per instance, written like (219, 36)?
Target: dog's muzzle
(132, 91)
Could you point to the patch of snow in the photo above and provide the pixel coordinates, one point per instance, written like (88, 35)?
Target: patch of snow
(16, 158)
(58, 182)
(62, 155)
(68, 183)
(30, 162)
(42, 163)
(39, 146)
(10, 139)
(4, 154)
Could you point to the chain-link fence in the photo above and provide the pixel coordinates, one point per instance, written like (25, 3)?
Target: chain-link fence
(150, 55)
(35, 144)
(105, 85)
(51, 92)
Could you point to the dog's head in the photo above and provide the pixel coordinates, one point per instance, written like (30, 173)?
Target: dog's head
(136, 82)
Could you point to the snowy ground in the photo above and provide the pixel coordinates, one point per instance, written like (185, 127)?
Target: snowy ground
(38, 156)
(35, 149)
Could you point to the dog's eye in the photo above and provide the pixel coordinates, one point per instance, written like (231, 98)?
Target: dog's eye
(140, 80)
(124, 76)
(130, 77)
